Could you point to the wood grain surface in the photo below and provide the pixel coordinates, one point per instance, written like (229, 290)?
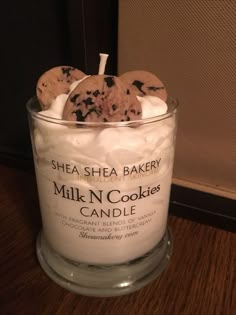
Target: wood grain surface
(200, 279)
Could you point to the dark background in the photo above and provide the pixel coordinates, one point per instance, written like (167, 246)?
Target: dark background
(36, 36)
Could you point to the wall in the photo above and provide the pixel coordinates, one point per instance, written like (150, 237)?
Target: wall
(191, 46)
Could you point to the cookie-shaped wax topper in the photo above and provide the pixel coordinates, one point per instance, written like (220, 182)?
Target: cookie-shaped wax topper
(144, 83)
(102, 98)
(54, 82)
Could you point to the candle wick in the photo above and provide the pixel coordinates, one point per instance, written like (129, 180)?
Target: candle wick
(102, 64)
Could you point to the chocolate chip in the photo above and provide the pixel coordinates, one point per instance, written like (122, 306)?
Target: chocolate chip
(96, 93)
(66, 70)
(95, 110)
(79, 115)
(114, 106)
(109, 81)
(88, 92)
(155, 88)
(138, 85)
(88, 101)
(73, 98)
(128, 91)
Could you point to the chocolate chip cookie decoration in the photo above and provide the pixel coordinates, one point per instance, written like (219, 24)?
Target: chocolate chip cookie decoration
(144, 83)
(54, 82)
(102, 98)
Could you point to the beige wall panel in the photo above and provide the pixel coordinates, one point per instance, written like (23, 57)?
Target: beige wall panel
(191, 46)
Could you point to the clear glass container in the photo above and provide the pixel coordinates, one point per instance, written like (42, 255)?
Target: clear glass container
(104, 196)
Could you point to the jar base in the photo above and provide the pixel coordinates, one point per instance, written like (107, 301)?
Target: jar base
(104, 280)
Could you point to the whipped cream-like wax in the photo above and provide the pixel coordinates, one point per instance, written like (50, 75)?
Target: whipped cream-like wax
(104, 192)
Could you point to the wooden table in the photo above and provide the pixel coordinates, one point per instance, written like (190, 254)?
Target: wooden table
(200, 279)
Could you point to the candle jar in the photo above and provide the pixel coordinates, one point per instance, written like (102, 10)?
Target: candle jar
(104, 194)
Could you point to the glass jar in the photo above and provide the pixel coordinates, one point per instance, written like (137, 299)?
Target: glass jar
(104, 196)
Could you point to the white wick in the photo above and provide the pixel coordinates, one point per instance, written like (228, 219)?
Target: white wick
(102, 64)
